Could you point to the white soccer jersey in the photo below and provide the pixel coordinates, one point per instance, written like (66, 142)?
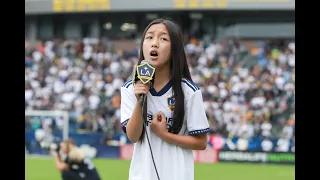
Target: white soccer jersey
(172, 161)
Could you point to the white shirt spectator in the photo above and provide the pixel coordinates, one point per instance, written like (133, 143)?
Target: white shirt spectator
(235, 88)
(59, 122)
(196, 78)
(94, 101)
(109, 89)
(227, 116)
(292, 46)
(58, 87)
(223, 93)
(68, 97)
(127, 65)
(288, 130)
(243, 86)
(99, 85)
(243, 129)
(49, 81)
(92, 76)
(212, 89)
(283, 145)
(282, 58)
(28, 93)
(291, 60)
(211, 51)
(115, 67)
(87, 52)
(64, 61)
(63, 73)
(242, 144)
(222, 85)
(266, 129)
(243, 72)
(35, 84)
(250, 131)
(101, 121)
(117, 83)
(228, 106)
(46, 123)
(78, 103)
(218, 113)
(202, 61)
(258, 101)
(37, 56)
(190, 48)
(266, 145)
(280, 82)
(234, 79)
(232, 128)
(77, 86)
(207, 73)
(53, 70)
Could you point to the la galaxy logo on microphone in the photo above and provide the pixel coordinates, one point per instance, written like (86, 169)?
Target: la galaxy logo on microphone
(145, 72)
(171, 103)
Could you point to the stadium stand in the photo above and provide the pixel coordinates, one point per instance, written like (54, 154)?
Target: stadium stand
(248, 92)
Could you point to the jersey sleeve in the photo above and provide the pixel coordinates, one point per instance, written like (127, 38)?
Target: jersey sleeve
(128, 102)
(197, 122)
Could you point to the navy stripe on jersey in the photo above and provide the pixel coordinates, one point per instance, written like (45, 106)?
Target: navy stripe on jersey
(127, 84)
(124, 125)
(201, 131)
(190, 84)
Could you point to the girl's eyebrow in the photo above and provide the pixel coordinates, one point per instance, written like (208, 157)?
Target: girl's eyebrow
(161, 33)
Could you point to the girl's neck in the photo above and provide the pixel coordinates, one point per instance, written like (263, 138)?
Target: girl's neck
(161, 78)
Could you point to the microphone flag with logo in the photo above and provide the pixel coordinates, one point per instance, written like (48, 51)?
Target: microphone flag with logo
(145, 72)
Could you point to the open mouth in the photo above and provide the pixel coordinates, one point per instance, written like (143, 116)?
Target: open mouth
(154, 54)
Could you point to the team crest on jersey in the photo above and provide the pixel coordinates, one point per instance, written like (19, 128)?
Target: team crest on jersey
(145, 72)
(171, 103)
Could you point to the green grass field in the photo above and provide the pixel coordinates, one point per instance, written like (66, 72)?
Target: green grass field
(39, 168)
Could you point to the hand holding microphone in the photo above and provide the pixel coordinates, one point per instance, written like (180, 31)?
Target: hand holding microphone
(141, 89)
(142, 80)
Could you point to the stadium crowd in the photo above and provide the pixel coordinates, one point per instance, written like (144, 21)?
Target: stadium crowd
(247, 92)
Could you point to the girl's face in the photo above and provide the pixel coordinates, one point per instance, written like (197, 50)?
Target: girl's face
(157, 46)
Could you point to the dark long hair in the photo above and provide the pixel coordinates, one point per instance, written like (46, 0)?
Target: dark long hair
(178, 69)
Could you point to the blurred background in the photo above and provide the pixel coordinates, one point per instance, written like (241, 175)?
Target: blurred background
(241, 53)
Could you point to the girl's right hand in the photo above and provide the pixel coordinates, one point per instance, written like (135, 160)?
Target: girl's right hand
(140, 88)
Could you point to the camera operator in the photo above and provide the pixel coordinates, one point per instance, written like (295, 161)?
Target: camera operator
(72, 163)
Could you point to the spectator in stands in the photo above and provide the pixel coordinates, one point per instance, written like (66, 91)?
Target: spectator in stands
(266, 128)
(266, 144)
(242, 143)
(283, 144)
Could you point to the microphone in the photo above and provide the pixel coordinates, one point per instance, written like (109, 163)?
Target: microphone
(144, 72)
